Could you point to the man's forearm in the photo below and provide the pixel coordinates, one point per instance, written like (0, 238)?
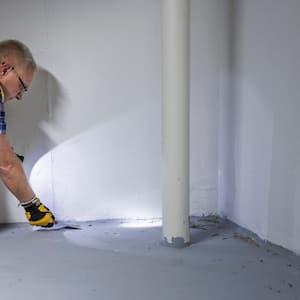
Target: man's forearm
(12, 172)
(16, 181)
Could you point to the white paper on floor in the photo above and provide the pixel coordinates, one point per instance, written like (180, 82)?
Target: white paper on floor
(58, 226)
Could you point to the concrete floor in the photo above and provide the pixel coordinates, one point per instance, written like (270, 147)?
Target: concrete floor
(105, 261)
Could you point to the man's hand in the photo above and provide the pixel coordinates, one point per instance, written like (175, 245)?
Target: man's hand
(38, 214)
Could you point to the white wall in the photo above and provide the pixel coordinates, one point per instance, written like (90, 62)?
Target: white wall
(264, 186)
(90, 126)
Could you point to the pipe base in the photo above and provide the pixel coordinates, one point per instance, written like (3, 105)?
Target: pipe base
(177, 242)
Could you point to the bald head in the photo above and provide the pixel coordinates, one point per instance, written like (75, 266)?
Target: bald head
(17, 68)
(18, 52)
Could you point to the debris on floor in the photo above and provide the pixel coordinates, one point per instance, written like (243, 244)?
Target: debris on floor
(248, 239)
(206, 222)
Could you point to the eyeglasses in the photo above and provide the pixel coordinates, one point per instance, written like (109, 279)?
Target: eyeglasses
(21, 81)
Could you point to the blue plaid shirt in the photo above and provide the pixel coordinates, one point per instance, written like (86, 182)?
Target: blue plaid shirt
(2, 114)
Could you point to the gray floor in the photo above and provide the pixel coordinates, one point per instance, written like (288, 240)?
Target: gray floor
(103, 260)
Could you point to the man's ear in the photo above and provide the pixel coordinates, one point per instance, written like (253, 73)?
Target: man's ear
(4, 68)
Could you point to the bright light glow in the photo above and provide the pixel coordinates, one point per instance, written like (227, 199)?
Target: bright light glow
(142, 224)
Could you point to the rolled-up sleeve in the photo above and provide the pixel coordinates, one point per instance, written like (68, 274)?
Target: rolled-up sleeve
(2, 123)
(2, 113)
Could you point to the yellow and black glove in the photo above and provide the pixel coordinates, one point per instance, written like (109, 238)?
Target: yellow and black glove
(38, 214)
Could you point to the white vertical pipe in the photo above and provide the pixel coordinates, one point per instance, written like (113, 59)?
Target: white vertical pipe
(175, 94)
